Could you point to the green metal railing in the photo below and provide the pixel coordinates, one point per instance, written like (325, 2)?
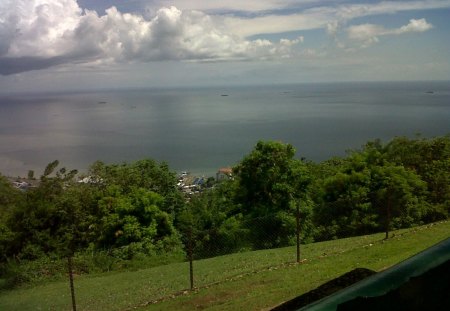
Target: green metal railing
(388, 280)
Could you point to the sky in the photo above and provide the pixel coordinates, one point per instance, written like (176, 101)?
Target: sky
(55, 45)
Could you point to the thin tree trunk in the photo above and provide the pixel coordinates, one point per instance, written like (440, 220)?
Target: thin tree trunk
(191, 258)
(72, 288)
(388, 216)
(297, 218)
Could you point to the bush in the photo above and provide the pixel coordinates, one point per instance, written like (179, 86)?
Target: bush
(16, 273)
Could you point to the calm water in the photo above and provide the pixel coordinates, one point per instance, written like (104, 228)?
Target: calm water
(200, 130)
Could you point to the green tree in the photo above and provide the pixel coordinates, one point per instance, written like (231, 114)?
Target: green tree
(146, 174)
(134, 223)
(399, 196)
(51, 220)
(369, 194)
(41, 224)
(214, 222)
(430, 159)
(270, 183)
(345, 208)
(10, 199)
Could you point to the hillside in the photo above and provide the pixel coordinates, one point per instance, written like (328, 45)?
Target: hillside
(244, 281)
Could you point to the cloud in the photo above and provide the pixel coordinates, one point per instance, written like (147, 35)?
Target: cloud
(316, 15)
(342, 9)
(231, 6)
(39, 34)
(12, 65)
(272, 24)
(351, 11)
(287, 42)
(367, 34)
(415, 25)
(37, 28)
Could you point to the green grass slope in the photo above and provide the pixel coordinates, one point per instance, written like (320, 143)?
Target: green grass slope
(244, 281)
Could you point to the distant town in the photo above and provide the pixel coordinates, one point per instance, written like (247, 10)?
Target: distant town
(188, 183)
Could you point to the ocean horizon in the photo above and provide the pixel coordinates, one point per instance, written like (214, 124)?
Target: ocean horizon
(202, 129)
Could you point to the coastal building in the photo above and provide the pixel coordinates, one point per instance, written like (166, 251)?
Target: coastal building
(224, 173)
(23, 184)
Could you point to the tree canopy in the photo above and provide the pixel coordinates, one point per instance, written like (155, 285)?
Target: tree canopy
(136, 209)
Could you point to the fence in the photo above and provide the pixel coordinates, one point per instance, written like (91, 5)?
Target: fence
(265, 232)
(204, 264)
(257, 245)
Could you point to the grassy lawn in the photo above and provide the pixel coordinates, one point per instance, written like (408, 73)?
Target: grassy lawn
(245, 281)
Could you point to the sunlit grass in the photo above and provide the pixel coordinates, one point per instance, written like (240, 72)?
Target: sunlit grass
(242, 281)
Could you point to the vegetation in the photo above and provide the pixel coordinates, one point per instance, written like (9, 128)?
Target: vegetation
(270, 184)
(254, 280)
(123, 214)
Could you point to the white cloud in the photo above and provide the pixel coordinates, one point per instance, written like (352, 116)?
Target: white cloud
(342, 9)
(36, 34)
(368, 34)
(319, 16)
(230, 5)
(38, 27)
(270, 24)
(39, 34)
(415, 25)
(351, 11)
(287, 42)
(332, 27)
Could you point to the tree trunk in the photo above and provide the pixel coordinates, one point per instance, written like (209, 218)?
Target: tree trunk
(297, 218)
(388, 216)
(72, 288)
(191, 258)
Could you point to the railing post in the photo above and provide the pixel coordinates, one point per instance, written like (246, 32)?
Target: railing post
(297, 218)
(388, 216)
(72, 288)
(190, 258)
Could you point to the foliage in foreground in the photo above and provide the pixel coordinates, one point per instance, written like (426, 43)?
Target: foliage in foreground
(129, 211)
(254, 280)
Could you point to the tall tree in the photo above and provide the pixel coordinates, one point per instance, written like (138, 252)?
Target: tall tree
(51, 220)
(10, 200)
(146, 174)
(134, 221)
(214, 221)
(398, 194)
(430, 159)
(370, 194)
(40, 222)
(271, 182)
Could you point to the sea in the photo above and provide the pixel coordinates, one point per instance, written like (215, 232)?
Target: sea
(203, 129)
